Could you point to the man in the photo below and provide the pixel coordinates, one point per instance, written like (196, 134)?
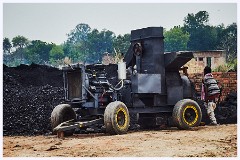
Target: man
(210, 91)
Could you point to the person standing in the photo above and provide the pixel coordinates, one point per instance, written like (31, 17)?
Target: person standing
(210, 92)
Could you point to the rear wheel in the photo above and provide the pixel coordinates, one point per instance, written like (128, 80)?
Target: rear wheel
(187, 114)
(116, 118)
(62, 113)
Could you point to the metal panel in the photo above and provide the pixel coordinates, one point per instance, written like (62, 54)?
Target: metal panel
(175, 94)
(147, 83)
(175, 60)
(145, 33)
(74, 84)
(187, 88)
(174, 87)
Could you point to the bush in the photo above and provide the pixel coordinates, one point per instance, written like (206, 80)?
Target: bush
(229, 67)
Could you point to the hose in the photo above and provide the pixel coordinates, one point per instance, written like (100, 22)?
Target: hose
(114, 88)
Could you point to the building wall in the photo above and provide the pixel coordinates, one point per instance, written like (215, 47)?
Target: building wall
(200, 60)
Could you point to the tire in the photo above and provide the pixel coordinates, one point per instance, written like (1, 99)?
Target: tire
(62, 113)
(186, 114)
(116, 118)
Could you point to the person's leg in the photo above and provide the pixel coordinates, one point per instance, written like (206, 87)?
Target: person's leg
(210, 111)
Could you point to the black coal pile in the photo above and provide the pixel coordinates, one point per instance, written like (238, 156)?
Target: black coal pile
(29, 95)
(226, 113)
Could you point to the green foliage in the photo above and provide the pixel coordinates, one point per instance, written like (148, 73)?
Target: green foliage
(206, 37)
(79, 33)
(228, 40)
(19, 42)
(228, 67)
(97, 44)
(202, 36)
(56, 52)
(13, 62)
(56, 55)
(195, 21)
(233, 65)
(84, 44)
(38, 52)
(175, 39)
(71, 51)
(122, 43)
(221, 68)
(6, 45)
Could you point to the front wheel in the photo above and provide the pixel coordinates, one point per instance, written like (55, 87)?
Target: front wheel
(186, 114)
(62, 113)
(116, 118)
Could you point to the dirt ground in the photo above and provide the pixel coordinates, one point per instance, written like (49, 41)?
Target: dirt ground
(203, 141)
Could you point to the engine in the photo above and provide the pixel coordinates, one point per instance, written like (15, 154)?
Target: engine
(91, 86)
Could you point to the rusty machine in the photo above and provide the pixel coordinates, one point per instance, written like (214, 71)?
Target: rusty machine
(146, 89)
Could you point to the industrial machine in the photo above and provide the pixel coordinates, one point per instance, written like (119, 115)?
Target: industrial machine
(146, 89)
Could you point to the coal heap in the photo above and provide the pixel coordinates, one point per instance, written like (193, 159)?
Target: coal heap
(29, 95)
(226, 113)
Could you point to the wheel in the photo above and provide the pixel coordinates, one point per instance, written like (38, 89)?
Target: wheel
(62, 113)
(116, 118)
(186, 114)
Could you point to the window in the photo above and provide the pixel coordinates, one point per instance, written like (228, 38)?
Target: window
(209, 62)
(200, 58)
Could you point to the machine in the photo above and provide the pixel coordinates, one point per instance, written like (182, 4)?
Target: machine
(146, 89)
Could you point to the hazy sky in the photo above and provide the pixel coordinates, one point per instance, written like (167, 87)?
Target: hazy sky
(51, 22)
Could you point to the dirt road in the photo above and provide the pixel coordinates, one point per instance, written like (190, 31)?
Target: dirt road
(203, 141)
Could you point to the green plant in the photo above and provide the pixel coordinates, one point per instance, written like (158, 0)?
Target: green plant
(230, 66)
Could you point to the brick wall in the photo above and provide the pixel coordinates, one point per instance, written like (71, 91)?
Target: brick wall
(228, 81)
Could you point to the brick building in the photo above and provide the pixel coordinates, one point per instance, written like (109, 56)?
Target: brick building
(211, 58)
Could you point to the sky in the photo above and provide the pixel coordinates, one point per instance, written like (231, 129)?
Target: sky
(52, 22)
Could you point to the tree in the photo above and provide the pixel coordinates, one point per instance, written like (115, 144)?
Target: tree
(122, 43)
(79, 33)
(70, 50)
(202, 36)
(75, 47)
(192, 21)
(6, 45)
(228, 40)
(38, 51)
(19, 42)
(175, 39)
(84, 44)
(56, 54)
(99, 43)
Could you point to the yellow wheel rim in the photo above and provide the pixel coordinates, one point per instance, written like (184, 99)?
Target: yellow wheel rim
(190, 115)
(121, 118)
